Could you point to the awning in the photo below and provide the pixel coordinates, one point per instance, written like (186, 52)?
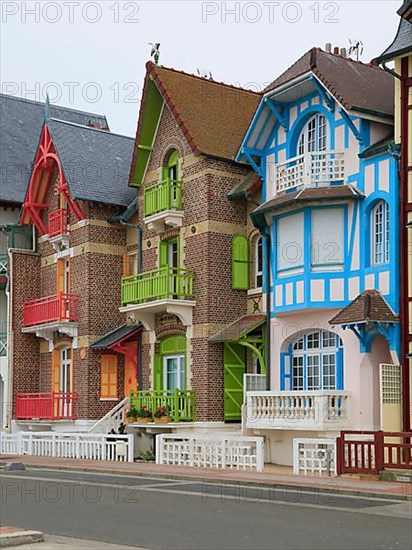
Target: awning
(120, 334)
(368, 307)
(242, 326)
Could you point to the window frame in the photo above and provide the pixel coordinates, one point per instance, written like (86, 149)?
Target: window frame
(258, 267)
(382, 256)
(303, 143)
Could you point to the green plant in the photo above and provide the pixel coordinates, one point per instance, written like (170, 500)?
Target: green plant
(146, 455)
(162, 411)
(144, 412)
(132, 412)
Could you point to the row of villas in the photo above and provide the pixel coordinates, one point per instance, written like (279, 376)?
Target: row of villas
(238, 261)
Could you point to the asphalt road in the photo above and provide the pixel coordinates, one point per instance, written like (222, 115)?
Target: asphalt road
(158, 513)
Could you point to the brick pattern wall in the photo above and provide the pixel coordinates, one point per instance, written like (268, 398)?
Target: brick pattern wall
(206, 184)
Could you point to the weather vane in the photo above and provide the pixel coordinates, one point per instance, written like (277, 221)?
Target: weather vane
(155, 53)
(356, 47)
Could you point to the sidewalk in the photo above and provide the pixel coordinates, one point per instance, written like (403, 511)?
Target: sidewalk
(11, 536)
(271, 476)
(51, 542)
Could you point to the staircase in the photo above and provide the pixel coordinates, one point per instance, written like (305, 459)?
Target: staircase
(111, 420)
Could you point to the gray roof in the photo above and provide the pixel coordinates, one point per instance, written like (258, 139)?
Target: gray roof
(96, 163)
(402, 43)
(116, 335)
(21, 121)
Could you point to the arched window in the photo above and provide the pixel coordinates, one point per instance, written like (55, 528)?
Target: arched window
(316, 361)
(314, 136)
(171, 167)
(380, 233)
(259, 262)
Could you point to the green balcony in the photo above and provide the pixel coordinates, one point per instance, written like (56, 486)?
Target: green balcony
(166, 283)
(180, 402)
(163, 204)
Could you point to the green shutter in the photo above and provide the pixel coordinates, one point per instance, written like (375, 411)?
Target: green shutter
(163, 249)
(157, 372)
(240, 263)
(234, 363)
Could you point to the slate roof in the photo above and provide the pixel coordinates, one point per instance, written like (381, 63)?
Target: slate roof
(213, 116)
(406, 10)
(95, 163)
(117, 335)
(21, 122)
(237, 329)
(354, 84)
(308, 194)
(368, 307)
(402, 43)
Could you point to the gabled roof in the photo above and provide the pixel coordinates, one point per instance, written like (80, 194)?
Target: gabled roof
(238, 328)
(213, 116)
(95, 162)
(406, 10)
(356, 85)
(248, 185)
(402, 43)
(21, 122)
(368, 307)
(116, 336)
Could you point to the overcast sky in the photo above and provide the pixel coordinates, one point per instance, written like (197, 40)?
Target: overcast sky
(92, 55)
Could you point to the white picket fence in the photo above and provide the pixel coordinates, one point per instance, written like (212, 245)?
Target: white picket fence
(119, 448)
(314, 457)
(211, 451)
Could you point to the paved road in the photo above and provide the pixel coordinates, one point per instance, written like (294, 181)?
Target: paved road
(157, 513)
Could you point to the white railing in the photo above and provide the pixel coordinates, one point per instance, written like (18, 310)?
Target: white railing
(8, 444)
(298, 410)
(211, 451)
(119, 448)
(310, 170)
(314, 457)
(113, 419)
(253, 382)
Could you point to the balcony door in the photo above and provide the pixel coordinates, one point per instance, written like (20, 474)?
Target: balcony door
(63, 382)
(314, 135)
(174, 372)
(63, 285)
(169, 257)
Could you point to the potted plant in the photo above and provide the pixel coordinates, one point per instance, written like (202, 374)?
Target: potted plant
(162, 414)
(144, 414)
(131, 414)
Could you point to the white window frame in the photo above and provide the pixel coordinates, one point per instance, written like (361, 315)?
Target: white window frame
(181, 371)
(380, 233)
(318, 126)
(258, 256)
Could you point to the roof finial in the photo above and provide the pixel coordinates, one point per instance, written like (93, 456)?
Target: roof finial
(47, 108)
(155, 53)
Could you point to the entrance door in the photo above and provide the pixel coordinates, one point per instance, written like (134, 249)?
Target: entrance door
(66, 403)
(130, 368)
(234, 367)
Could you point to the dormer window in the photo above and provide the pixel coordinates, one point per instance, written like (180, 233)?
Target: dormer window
(314, 135)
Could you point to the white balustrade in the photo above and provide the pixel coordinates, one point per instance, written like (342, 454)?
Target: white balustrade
(113, 419)
(298, 410)
(310, 170)
(314, 457)
(211, 451)
(69, 445)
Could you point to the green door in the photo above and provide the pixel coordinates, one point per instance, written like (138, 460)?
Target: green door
(234, 367)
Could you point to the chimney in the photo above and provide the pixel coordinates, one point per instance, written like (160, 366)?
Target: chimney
(343, 52)
(328, 47)
(336, 50)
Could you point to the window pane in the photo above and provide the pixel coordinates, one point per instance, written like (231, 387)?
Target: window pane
(327, 236)
(297, 372)
(290, 241)
(313, 372)
(329, 371)
(328, 340)
(259, 263)
(313, 340)
(171, 373)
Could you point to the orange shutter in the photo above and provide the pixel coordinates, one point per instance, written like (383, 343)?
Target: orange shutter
(108, 377)
(56, 370)
(69, 281)
(126, 265)
(60, 276)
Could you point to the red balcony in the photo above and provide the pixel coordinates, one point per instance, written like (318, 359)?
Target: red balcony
(46, 406)
(58, 223)
(57, 308)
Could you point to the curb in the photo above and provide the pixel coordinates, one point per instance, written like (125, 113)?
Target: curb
(20, 537)
(332, 486)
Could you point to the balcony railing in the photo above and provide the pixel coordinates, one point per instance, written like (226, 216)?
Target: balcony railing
(166, 195)
(310, 170)
(58, 223)
(4, 260)
(3, 344)
(161, 284)
(46, 406)
(180, 402)
(56, 308)
(312, 410)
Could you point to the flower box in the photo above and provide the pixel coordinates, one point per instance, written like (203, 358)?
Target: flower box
(162, 419)
(143, 419)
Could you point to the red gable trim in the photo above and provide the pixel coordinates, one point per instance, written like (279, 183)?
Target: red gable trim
(45, 162)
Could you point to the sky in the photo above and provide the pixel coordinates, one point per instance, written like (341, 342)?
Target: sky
(91, 55)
